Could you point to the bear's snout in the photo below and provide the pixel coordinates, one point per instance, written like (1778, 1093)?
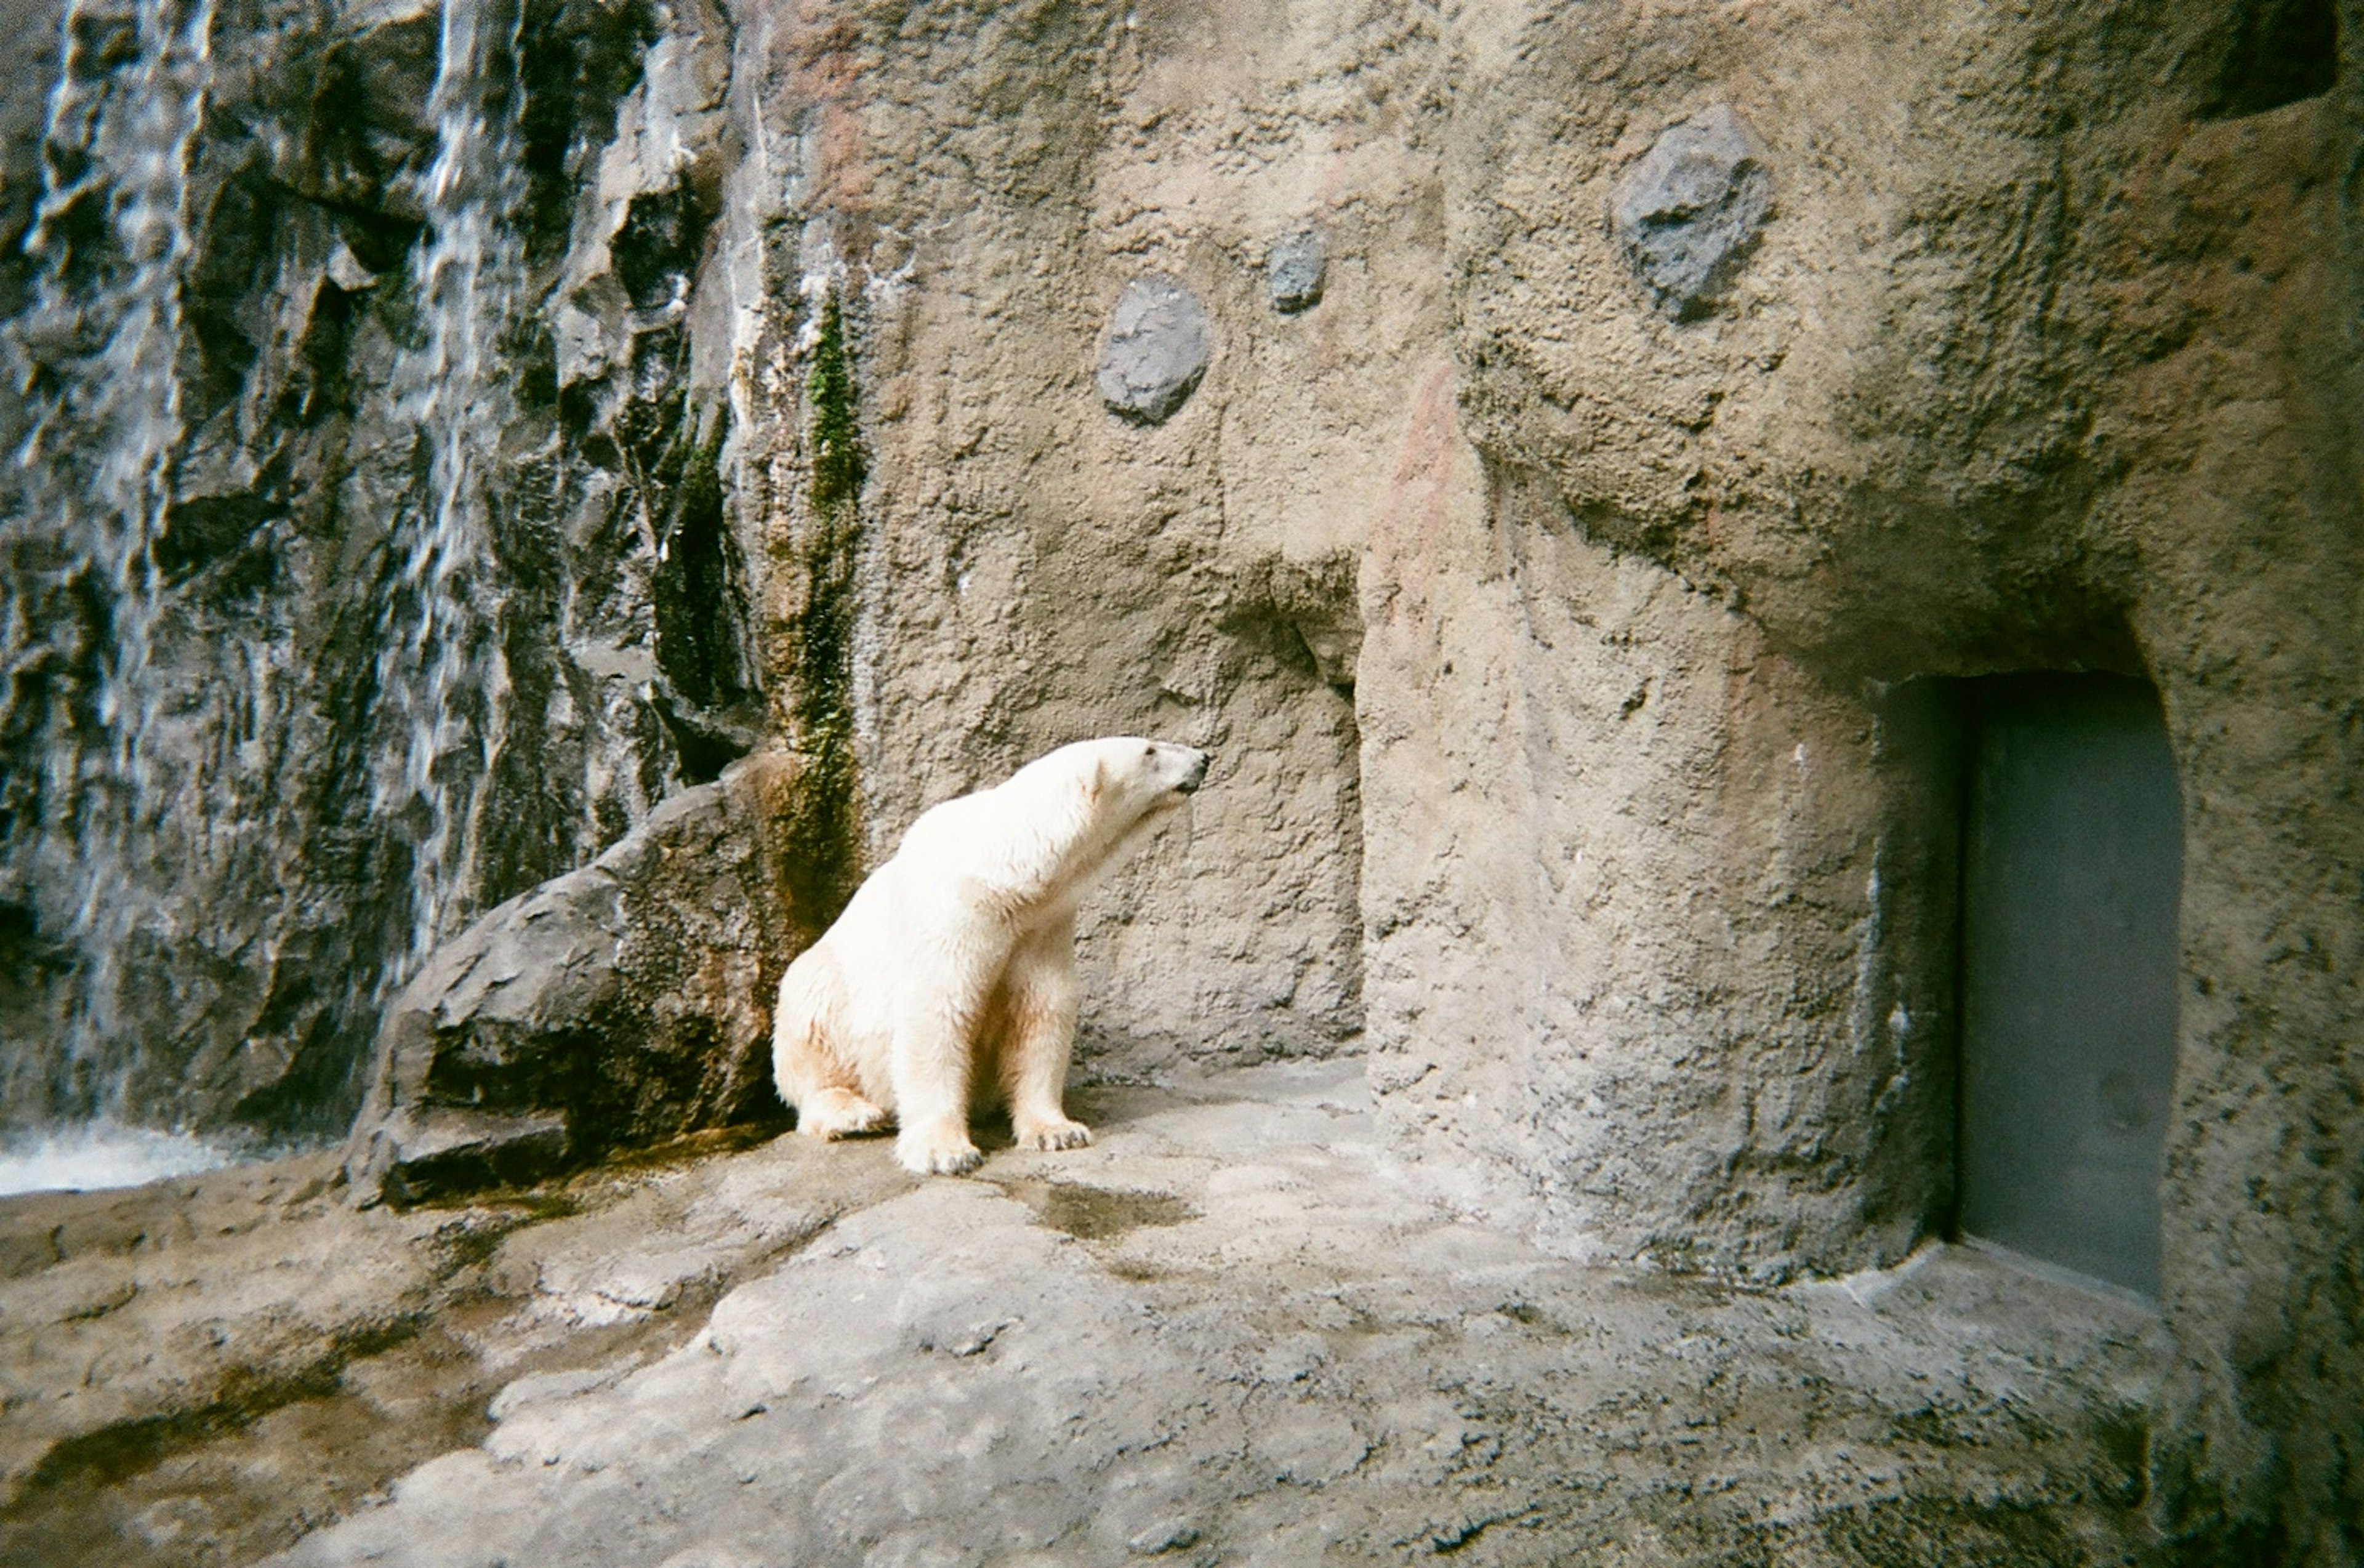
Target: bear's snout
(1197, 775)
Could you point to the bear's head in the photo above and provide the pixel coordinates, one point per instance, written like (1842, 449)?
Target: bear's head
(1133, 777)
(1118, 781)
(1081, 808)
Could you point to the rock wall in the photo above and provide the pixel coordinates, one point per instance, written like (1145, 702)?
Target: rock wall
(1555, 457)
(1040, 564)
(620, 1006)
(1662, 945)
(1966, 342)
(371, 562)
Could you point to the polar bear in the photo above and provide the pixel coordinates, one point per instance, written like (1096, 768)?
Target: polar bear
(949, 982)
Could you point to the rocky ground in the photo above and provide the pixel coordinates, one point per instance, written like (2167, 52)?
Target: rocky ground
(1229, 1332)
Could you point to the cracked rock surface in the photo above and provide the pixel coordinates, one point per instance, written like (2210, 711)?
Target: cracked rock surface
(1229, 1332)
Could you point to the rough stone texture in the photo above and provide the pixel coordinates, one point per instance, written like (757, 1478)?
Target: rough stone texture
(1032, 571)
(1666, 1059)
(1294, 270)
(269, 878)
(2040, 369)
(1156, 348)
(1576, 673)
(1691, 211)
(202, 1369)
(622, 1004)
(1228, 1332)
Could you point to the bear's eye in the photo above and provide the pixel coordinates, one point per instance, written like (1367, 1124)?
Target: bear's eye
(1149, 750)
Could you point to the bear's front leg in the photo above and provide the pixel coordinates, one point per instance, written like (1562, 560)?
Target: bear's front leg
(930, 1065)
(1040, 1034)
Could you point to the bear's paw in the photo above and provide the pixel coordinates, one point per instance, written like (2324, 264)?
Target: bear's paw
(1059, 1134)
(838, 1113)
(939, 1151)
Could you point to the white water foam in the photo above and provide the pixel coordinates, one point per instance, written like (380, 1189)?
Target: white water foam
(99, 1155)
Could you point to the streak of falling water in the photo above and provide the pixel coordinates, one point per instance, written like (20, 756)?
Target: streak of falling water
(98, 422)
(439, 668)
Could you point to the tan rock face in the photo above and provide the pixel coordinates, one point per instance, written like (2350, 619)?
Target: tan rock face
(1036, 568)
(1636, 857)
(2032, 368)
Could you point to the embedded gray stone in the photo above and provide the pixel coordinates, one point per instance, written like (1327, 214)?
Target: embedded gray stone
(1293, 271)
(1691, 211)
(1158, 340)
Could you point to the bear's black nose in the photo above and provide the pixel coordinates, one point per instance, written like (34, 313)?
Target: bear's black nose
(1197, 775)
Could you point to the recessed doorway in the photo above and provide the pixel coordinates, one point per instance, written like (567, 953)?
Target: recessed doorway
(2072, 865)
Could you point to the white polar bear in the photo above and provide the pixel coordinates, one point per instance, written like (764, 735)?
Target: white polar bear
(949, 982)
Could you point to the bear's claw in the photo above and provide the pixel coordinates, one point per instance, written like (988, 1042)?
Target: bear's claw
(922, 1158)
(1055, 1135)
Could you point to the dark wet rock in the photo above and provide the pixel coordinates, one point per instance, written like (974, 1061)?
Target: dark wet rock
(29, 32)
(656, 249)
(616, 1005)
(608, 593)
(1689, 213)
(2278, 52)
(434, 1152)
(1156, 348)
(1294, 270)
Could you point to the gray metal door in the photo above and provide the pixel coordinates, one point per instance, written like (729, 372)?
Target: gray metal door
(2074, 860)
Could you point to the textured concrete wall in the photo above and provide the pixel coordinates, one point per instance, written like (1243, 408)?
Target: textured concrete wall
(985, 182)
(2041, 357)
(1695, 387)
(1661, 946)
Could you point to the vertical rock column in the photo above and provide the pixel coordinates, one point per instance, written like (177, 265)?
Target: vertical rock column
(1643, 900)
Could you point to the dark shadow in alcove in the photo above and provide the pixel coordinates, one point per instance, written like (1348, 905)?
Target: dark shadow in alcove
(2281, 51)
(2071, 873)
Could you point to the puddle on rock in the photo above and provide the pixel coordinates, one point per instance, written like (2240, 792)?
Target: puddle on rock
(1098, 1214)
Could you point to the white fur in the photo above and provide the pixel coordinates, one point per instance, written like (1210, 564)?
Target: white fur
(949, 982)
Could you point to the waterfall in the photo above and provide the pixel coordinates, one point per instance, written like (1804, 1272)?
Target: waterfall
(117, 780)
(441, 671)
(92, 366)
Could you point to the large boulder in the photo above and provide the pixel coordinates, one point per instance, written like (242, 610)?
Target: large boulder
(619, 1005)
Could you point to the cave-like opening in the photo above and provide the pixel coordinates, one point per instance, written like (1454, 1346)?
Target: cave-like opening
(2279, 51)
(2071, 870)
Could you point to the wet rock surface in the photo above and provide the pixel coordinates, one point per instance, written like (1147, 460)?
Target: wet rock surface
(429, 622)
(268, 1356)
(1224, 1333)
(622, 1004)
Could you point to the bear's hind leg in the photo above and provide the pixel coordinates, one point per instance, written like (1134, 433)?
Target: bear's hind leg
(812, 1082)
(1039, 996)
